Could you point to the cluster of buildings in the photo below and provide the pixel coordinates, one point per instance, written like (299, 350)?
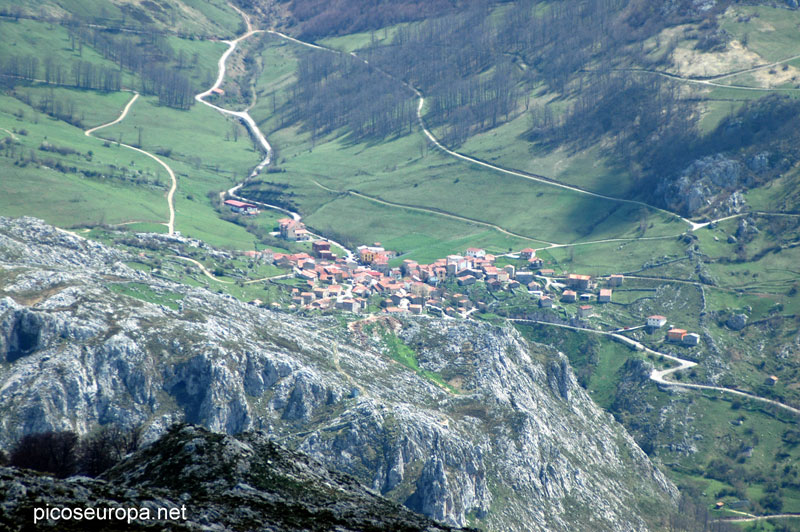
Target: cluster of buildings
(353, 284)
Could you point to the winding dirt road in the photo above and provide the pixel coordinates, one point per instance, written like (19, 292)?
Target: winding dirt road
(517, 173)
(202, 269)
(251, 125)
(659, 375)
(171, 194)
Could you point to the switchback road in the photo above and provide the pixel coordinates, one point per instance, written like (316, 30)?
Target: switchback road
(171, 193)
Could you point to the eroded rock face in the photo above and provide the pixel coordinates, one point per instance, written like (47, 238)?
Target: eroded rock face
(711, 182)
(511, 440)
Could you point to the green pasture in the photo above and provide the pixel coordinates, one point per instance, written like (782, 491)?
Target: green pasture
(41, 40)
(68, 198)
(198, 17)
(771, 32)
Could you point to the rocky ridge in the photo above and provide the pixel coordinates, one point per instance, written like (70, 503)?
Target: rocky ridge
(208, 481)
(517, 444)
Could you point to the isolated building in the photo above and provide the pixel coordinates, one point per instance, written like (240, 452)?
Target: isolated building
(616, 280)
(241, 207)
(292, 229)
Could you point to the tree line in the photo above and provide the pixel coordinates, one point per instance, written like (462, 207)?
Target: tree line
(158, 69)
(336, 91)
(63, 454)
(78, 73)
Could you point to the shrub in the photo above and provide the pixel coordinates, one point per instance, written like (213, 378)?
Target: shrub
(107, 447)
(48, 452)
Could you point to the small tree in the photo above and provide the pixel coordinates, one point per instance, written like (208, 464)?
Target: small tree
(107, 447)
(48, 452)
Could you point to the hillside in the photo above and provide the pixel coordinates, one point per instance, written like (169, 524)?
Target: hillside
(199, 479)
(77, 354)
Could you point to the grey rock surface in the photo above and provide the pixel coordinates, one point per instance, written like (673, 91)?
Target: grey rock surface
(512, 442)
(713, 182)
(737, 322)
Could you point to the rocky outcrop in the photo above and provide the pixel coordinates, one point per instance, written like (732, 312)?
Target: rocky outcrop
(200, 480)
(503, 436)
(736, 322)
(713, 182)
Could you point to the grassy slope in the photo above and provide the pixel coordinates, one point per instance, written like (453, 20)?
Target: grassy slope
(406, 171)
(66, 198)
(771, 32)
(199, 17)
(202, 159)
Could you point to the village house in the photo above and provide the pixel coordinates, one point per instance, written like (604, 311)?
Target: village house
(616, 280)
(527, 253)
(456, 263)
(676, 335)
(581, 282)
(350, 305)
(569, 296)
(535, 263)
(409, 266)
(241, 207)
(655, 321)
(466, 280)
(308, 275)
(691, 339)
(476, 253)
(293, 230)
(546, 302)
(584, 311)
(524, 277)
(320, 248)
(605, 295)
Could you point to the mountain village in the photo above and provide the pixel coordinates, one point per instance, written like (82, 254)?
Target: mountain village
(366, 283)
